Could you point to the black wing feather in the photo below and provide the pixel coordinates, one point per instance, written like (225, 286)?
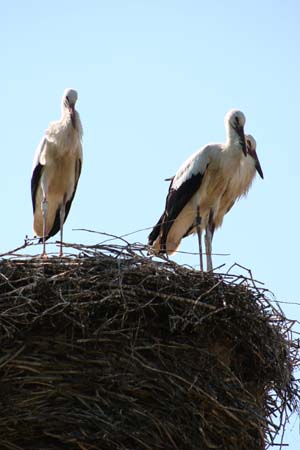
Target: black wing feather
(35, 179)
(156, 230)
(176, 201)
(37, 173)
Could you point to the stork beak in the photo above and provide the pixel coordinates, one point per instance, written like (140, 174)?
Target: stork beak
(257, 165)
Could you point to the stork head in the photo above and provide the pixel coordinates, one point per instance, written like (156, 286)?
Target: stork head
(68, 102)
(236, 120)
(251, 150)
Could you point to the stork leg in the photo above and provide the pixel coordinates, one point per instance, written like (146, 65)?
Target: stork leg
(44, 207)
(62, 219)
(209, 232)
(199, 232)
(208, 248)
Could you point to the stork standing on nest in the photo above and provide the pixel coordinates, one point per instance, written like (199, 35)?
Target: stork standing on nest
(238, 186)
(56, 170)
(197, 188)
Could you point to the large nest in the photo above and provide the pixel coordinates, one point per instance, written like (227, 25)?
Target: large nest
(113, 350)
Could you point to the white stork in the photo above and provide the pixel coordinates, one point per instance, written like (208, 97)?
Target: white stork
(197, 187)
(238, 186)
(56, 170)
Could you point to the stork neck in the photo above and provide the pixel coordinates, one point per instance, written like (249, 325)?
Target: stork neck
(65, 113)
(233, 140)
(68, 118)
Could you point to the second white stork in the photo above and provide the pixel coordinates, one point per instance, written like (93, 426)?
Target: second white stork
(197, 188)
(56, 170)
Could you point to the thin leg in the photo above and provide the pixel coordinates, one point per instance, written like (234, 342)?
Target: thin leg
(62, 219)
(44, 207)
(210, 229)
(199, 232)
(208, 248)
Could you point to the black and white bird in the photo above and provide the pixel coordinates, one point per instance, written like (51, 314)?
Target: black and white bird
(196, 189)
(238, 186)
(56, 171)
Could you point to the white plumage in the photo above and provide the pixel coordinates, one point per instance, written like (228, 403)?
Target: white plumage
(240, 183)
(56, 170)
(197, 188)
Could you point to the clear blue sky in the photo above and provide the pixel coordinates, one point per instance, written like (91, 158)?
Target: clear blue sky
(155, 79)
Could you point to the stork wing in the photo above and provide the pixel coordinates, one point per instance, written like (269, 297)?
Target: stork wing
(56, 224)
(37, 172)
(182, 188)
(156, 230)
(176, 201)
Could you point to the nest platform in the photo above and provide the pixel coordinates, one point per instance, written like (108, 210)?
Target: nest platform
(110, 349)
